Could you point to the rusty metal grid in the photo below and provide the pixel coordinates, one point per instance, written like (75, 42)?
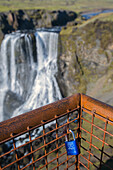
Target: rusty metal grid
(41, 147)
(96, 141)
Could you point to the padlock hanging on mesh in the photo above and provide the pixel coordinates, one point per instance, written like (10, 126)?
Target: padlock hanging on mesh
(71, 146)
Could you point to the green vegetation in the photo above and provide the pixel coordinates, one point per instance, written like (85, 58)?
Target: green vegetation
(75, 5)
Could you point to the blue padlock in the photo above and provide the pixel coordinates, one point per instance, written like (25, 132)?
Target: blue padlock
(71, 146)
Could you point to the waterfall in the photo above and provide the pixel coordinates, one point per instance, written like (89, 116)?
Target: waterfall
(28, 67)
(3, 74)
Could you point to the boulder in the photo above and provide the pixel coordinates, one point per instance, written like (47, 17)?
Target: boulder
(11, 102)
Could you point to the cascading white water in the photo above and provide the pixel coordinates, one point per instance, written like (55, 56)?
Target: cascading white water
(28, 82)
(3, 74)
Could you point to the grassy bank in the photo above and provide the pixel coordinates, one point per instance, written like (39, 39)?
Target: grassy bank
(75, 5)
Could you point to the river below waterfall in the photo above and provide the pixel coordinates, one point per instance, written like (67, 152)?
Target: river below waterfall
(28, 68)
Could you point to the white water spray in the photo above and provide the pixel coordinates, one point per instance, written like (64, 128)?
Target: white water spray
(32, 82)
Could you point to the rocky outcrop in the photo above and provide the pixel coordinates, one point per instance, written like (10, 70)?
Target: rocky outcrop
(86, 61)
(32, 19)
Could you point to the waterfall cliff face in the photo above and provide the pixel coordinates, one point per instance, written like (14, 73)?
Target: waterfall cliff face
(28, 65)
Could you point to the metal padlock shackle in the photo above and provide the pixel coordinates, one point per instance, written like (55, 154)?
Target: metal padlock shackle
(72, 134)
(71, 146)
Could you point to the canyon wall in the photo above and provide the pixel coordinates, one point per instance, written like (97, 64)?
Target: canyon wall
(85, 58)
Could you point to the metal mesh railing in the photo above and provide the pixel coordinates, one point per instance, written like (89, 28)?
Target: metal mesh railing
(96, 142)
(36, 140)
(96, 135)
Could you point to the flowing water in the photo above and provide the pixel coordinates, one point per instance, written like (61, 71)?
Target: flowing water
(28, 68)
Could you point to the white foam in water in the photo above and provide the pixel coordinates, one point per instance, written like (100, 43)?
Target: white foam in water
(32, 81)
(3, 74)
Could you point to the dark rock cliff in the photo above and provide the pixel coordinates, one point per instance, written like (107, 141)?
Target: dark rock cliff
(32, 19)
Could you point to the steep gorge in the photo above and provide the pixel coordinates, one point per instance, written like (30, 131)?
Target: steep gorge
(85, 60)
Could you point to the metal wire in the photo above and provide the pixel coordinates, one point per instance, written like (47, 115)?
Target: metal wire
(40, 144)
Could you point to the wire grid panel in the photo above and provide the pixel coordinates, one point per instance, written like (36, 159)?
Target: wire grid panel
(41, 147)
(96, 141)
